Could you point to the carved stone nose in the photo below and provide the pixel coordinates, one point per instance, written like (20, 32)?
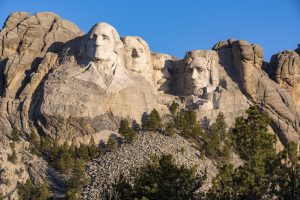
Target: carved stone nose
(194, 74)
(98, 41)
(135, 53)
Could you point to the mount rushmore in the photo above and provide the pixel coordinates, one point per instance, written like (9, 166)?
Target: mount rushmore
(57, 81)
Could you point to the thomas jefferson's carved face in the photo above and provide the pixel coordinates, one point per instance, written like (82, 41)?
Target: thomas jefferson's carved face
(198, 75)
(135, 54)
(101, 43)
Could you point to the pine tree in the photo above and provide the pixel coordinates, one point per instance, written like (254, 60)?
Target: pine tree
(169, 129)
(185, 121)
(15, 134)
(128, 132)
(28, 191)
(77, 180)
(111, 144)
(13, 157)
(224, 186)
(251, 135)
(34, 143)
(161, 178)
(285, 174)
(65, 160)
(82, 152)
(256, 146)
(173, 108)
(25, 190)
(153, 122)
(94, 150)
(42, 192)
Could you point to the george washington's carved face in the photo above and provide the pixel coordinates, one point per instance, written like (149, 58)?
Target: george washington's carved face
(101, 43)
(198, 75)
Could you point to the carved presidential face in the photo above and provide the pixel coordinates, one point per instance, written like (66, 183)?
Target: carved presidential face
(101, 43)
(162, 64)
(198, 75)
(135, 54)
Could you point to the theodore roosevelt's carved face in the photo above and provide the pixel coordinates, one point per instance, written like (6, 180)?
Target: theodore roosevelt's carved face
(101, 43)
(198, 75)
(135, 54)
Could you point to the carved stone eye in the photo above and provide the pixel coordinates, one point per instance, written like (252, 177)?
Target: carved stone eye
(199, 69)
(105, 37)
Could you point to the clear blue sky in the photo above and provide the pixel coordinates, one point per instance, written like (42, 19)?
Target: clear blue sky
(175, 27)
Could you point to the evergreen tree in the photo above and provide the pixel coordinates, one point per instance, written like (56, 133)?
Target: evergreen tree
(42, 192)
(82, 152)
(15, 134)
(65, 159)
(153, 122)
(251, 135)
(111, 144)
(25, 190)
(285, 174)
(77, 180)
(256, 147)
(224, 185)
(217, 143)
(173, 108)
(128, 132)
(185, 122)
(28, 191)
(13, 157)
(34, 143)
(94, 150)
(161, 179)
(169, 129)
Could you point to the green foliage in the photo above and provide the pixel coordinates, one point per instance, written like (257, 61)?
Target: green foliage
(224, 186)
(77, 180)
(173, 108)
(13, 157)
(28, 191)
(94, 150)
(15, 134)
(217, 143)
(111, 144)
(153, 122)
(161, 179)
(251, 135)
(285, 174)
(187, 125)
(65, 159)
(256, 147)
(169, 129)
(34, 143)
(128, 132)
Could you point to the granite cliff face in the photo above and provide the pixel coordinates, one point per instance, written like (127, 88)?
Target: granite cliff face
(57, 81)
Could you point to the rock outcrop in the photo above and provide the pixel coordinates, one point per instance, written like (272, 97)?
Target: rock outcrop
(30, 44)
(284, 68)
(57, 81)
(256, 84)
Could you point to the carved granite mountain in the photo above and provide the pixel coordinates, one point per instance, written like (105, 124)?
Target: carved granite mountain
(57, 81)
